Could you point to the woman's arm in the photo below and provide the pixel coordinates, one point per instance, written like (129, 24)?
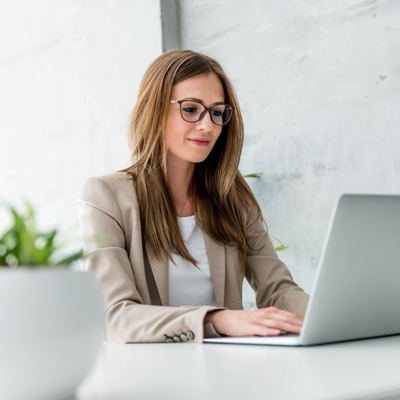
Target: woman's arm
(107, 219)
(281, 301)
(267, 274)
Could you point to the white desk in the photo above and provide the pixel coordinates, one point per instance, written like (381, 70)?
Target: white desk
(368, 369)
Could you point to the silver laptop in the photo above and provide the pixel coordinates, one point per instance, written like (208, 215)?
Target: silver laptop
(356, 293)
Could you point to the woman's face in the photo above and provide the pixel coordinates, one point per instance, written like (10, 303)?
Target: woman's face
(192, 142)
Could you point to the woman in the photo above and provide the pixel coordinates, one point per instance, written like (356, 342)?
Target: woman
(179, 229)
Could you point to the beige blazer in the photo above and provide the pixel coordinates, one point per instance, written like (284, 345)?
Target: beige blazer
(135, 282)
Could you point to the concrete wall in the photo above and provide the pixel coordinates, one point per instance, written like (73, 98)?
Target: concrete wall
(69, 72)
(319, 86)
(318, 82)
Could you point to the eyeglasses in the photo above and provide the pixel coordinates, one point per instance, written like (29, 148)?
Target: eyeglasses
(194, 111)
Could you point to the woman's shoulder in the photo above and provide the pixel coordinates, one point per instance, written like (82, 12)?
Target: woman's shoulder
(108, 190)
(115, 179)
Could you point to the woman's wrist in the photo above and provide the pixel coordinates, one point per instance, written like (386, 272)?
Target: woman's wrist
(214, 317)
(209, 317)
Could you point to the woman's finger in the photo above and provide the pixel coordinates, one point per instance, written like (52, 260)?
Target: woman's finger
(282, 321)
(282, 326)
(265, 331)
(275, 313)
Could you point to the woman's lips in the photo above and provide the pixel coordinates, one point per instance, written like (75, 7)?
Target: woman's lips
(199, 142)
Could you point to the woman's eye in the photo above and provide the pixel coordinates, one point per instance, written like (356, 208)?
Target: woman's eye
(189, 110)
(217, 113)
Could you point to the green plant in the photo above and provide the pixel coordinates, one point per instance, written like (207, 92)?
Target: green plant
(278, 245)
(23, 244)
(254, 175)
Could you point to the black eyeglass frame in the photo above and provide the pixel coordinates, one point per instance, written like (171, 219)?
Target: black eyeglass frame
(206, 109)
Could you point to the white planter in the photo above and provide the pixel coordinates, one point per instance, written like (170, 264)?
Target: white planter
(51, 330)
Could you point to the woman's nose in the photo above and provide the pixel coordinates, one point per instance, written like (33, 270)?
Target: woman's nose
(206, 122)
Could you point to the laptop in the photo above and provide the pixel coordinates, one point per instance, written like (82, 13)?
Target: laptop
(356, 293)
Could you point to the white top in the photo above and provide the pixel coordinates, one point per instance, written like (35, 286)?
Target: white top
(190, 284)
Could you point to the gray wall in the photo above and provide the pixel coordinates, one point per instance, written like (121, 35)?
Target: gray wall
(319, 86)
(318, 82)
(69, 72)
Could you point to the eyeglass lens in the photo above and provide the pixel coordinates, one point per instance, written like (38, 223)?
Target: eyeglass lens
(192, 111)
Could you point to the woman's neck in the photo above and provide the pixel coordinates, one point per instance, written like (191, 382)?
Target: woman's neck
(180, 175)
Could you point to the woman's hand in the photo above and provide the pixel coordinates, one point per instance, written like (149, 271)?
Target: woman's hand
(270, 321)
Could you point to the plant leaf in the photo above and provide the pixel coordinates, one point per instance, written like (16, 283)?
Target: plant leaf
(254, 175)
(71, 258)
(23, 244)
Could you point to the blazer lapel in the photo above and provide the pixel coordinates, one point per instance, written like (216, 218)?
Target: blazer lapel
(216, 259)
(159, 267)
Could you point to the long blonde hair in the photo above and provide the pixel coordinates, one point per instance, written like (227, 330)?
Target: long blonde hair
(221, 195)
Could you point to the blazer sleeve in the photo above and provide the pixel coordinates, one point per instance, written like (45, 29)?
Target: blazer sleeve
(267, 274)
(128, 317)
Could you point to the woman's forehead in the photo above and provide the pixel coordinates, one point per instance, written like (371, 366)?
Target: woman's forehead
(206, 87)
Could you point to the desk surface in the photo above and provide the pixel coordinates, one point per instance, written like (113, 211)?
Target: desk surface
(366, 369)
